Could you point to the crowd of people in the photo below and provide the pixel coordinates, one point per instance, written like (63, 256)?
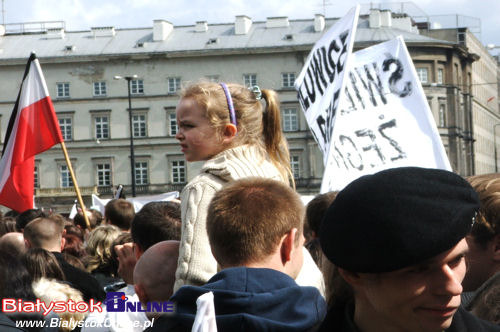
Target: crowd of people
(405, 249)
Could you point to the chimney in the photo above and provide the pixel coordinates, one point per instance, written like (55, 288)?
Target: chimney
(319, 23)
(161, 30)
(277, 22)
(201, 26)
(55, 33)
(385, 18)
(375, 18)
(242, 25)
(103, 31)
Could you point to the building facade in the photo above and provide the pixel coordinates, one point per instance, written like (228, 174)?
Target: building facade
(93, 112)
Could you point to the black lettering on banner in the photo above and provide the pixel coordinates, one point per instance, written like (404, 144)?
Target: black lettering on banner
(396, 76)
(311, 94)
(342, 56)
(369, 133)
(329, 63)
(316, 67)
(344, 138)
(371, 82)
(324, 65)
(326, 125)
(356, 90)
(352, 106)
(336, 154)
(304, 102)
(382, 128)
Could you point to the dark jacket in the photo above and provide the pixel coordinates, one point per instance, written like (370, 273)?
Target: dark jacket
(463, 321)
(81, 280)
(8, 325)
(249, 299)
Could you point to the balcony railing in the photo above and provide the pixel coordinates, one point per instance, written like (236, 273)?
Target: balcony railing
(141, 190)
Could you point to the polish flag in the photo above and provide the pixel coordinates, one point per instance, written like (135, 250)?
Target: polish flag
(33, 128)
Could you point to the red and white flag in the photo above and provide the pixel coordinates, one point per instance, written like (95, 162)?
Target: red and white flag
(33, 128)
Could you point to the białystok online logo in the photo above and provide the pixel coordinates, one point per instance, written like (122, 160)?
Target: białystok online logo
(119, 302)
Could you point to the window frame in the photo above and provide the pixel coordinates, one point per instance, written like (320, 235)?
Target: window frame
(420, 71)
(173, 84)
(295, 164)
(95, 124)
(250, 80)
(64, 89)
(287, 80)
(98, 171)
(141, 183)
(65, 176)
(64, 131)
(100, 88)
(137, 87)
(138, 123)
(288, 120)
(182, 178)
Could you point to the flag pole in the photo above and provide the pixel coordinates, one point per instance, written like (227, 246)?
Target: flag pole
(75, 184)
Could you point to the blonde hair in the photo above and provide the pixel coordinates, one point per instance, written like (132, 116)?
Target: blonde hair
(50, 290)
(255, 126)
(99, 248)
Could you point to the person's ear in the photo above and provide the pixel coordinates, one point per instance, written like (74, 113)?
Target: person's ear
(287, 245)
(352, 278)
(229, 133)
(137, 251)
(141, 294)
(495, 245)
(27, 243)
(63, 243)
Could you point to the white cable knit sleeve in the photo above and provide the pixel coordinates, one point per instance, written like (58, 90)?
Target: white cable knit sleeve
(196, 264)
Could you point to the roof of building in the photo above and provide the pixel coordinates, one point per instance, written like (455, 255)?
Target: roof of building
(298, 34)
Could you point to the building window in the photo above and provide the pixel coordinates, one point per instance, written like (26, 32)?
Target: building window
(174, 84)
(290, 119)
(36, 181)
(101, 127)
(178, 171)
(139, 125)
(66, 126)
(172, 124)
(63, 90)
(136, 87)
(440, 76)
(442, 115)
(250, 79)
(287, 80)
(295, 166)
(422, 74)
(103, 174)
(99, 89)
(141, 173)
(66, 180)
(213, 78)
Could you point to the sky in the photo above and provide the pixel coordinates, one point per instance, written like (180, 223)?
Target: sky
(84, 14)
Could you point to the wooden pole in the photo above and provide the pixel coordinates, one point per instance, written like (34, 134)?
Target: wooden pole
(75, 184)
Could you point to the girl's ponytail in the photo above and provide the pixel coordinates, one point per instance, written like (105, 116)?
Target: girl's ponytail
(274, 140)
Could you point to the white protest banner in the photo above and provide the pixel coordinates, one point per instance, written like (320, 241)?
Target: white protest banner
(138, 202)
(383, 120)
(321, 80)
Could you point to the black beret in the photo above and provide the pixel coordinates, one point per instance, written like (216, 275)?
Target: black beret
(397, 218)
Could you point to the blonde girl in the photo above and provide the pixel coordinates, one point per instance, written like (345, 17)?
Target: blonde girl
(227, 127)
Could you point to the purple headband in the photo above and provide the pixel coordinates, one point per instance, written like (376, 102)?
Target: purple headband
(232, 114)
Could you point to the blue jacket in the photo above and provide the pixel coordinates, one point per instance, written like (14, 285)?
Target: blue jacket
(250, 299)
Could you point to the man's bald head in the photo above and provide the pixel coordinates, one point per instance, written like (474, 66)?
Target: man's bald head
(12, 243)
(44, 233)
(154, 273)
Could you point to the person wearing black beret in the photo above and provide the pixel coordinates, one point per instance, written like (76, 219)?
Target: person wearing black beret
(397, 238)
